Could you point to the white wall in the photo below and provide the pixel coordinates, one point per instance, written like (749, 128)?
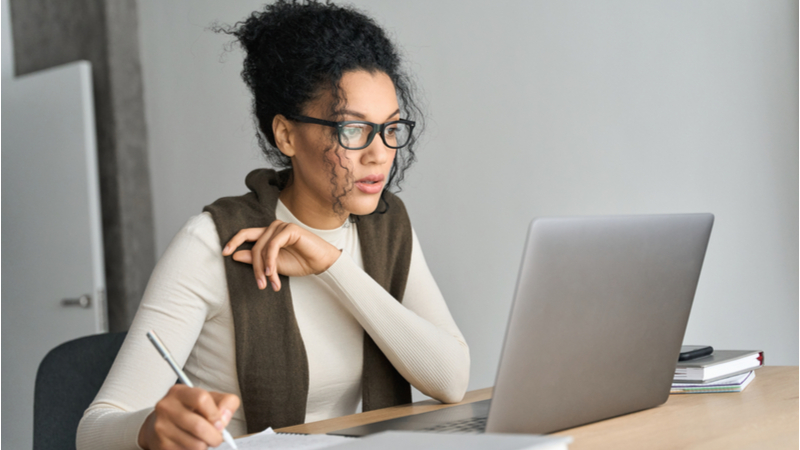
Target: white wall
(541, 108)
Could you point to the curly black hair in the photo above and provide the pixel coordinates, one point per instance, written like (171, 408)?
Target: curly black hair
(296, 51)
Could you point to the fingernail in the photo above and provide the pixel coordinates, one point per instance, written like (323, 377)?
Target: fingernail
(219, 425)
(225, 250)
(226, 416)
(261, 283)
(267, 271)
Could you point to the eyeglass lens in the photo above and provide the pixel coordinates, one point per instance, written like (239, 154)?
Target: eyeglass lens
(357, 135)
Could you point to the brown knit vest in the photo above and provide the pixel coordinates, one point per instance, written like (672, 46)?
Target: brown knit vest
(271, 361)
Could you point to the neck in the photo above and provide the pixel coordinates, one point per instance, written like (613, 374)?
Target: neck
(311, 211)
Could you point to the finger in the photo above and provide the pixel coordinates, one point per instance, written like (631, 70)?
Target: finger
(196, 414)
(244, 235)
(201, 402)
(271, 268)
(168, 435)
(227, 404)
(255, 252)
(175, 437)
(193, 431)
(243, 256)
(285, 237)
(177, 419)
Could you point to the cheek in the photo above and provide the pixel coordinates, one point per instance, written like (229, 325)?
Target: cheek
(390, 160)
(320, 152)
(340, 158)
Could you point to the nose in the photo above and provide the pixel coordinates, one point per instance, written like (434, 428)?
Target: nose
(377, 152)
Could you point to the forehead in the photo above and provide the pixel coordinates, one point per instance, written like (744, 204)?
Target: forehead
(370, 94)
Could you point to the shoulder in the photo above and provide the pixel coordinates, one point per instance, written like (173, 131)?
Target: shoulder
(231, 214)
(264, 189)
(202, 226)
(190, 273)
(201, 223)
(234, 207)
(199, 229)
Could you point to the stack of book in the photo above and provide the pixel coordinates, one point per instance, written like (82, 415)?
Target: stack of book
(721, 371)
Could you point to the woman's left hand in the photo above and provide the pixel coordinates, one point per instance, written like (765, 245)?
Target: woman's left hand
(282, 248)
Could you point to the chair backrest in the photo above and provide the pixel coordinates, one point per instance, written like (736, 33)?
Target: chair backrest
(67, 381)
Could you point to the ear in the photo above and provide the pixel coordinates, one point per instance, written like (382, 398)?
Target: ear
(283, 130)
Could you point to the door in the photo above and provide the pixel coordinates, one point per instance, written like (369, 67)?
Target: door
(52, 254)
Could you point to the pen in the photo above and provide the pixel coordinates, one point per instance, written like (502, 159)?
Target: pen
(181, 376)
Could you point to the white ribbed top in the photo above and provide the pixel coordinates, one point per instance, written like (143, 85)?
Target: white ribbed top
(187, 303)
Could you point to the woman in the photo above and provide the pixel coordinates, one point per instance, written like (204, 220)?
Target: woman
(343, 308)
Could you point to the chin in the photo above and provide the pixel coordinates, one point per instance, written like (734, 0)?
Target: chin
(364, 206)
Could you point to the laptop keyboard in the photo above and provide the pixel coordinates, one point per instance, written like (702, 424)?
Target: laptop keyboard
(473, 425)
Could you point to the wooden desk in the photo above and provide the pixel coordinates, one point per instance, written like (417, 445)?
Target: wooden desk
(765, 415)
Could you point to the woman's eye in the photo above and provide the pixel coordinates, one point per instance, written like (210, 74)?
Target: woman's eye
(351, 132)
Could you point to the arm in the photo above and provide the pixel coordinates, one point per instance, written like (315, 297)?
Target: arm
(184, 291)
(419, 336)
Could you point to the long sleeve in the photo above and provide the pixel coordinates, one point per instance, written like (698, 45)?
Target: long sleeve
(187, 303)
(419, 336)
(185, 293)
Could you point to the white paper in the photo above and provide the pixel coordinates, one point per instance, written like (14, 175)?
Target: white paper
(268, 439)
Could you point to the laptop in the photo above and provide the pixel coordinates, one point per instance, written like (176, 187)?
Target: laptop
(596, 325)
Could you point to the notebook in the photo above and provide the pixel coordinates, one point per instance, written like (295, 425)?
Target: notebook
(596, 325)
(736, 383)
(718, 365)
(269, 439)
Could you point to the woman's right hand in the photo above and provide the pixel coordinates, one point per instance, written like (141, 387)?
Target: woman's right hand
(188, 418)
(282, 248)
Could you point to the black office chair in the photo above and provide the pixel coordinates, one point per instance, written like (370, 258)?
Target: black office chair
(67, 381)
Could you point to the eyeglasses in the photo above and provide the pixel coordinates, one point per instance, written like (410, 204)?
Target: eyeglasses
(356, 135)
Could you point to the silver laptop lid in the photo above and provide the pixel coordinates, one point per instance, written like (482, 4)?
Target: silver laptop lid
(598, 318)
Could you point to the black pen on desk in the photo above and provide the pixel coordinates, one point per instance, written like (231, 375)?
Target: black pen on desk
(181, 376)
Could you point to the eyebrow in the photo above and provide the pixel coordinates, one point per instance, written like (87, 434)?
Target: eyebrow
(361, 116)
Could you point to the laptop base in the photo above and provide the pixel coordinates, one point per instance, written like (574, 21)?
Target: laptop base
(426, 421)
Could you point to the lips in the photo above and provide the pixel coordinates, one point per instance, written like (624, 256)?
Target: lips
(371, 184)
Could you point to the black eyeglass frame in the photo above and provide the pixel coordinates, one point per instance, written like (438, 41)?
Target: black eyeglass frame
(377, 128)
